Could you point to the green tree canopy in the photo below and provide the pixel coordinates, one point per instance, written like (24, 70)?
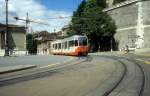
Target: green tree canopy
(90, 20)
(31, 44)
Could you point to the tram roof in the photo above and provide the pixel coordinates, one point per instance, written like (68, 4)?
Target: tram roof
(69, 38)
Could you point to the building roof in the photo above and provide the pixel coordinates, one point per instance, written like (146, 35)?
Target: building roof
(10, 25)
(45, 36)
(15, 28)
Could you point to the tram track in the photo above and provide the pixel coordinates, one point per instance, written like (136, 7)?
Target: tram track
(143, 77)
(116, 85)
(120, 81)
(38, 73)
(126, 79)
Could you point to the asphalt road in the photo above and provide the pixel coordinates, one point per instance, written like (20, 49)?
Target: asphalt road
(74, 80)
(144, 61)
(39, 60)
(96, 76)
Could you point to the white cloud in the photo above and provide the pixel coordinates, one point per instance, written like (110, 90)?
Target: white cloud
(36, 11)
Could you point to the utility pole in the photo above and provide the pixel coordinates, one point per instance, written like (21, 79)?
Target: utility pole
(27, 22)
(6, 32)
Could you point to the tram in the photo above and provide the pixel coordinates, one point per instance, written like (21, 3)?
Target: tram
(75, 46)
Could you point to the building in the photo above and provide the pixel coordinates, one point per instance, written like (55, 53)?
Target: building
(133, 23)
(109, 2)
(17, 39)
(44, 42)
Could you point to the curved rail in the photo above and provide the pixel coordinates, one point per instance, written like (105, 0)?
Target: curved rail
(141, 90)
(125, 71)
(143, 76)
(38, 73)
(143, 82)
(115, 86)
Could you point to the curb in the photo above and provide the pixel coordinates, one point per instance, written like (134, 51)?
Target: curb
(18, 68)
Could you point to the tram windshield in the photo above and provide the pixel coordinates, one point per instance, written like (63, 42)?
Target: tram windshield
(82, 41)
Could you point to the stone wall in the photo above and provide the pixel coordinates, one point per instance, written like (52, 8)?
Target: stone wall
(133, 23)
(146, 22)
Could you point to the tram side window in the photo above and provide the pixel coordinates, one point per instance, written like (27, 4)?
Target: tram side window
(53, 46)
(56, 46)
(82, 41)
(59, 45)
(63, 45)
(66, 45)
(76, 42)
(71, 43)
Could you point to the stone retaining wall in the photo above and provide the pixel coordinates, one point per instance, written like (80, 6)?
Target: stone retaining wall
(132, 19)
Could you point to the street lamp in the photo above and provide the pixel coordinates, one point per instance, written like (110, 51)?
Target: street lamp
(6, 34)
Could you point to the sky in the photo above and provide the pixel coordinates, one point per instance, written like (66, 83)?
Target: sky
(40, 11)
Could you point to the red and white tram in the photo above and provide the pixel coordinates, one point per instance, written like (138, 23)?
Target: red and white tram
(76, 45)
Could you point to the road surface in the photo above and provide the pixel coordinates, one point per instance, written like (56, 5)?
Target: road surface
(85, 76)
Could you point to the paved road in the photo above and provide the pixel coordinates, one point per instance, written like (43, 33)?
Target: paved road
(98, 76)
(73, 80)
(33, 60)
(144, 61)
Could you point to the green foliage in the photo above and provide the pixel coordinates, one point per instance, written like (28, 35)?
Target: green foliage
(31, 44)
(77, 20)
(94, 3)
(90, 20)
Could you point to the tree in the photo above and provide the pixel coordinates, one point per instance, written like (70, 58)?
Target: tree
(93, 3)
(77, 20)
(101, 28)
(31, 44)
(90, 20)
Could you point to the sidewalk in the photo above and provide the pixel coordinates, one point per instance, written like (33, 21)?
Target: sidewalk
(143, 52)
(108, 53)
(9, 69)
(140, 52)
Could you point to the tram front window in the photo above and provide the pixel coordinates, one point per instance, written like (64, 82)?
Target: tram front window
(82, 41)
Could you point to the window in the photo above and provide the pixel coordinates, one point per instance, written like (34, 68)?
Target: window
(59, 45)
(76, 42)
(56, 46)
(53, 46)
(82, 41)
(71, 43)
(66, 45)
(63, 45)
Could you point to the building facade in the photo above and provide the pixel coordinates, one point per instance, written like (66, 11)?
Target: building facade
(133, 23)
(44, 39)
(17, 39)
(109, 2)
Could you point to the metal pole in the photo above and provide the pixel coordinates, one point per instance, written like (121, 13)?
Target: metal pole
(27, 22)
(7, 34)
(111, 44)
